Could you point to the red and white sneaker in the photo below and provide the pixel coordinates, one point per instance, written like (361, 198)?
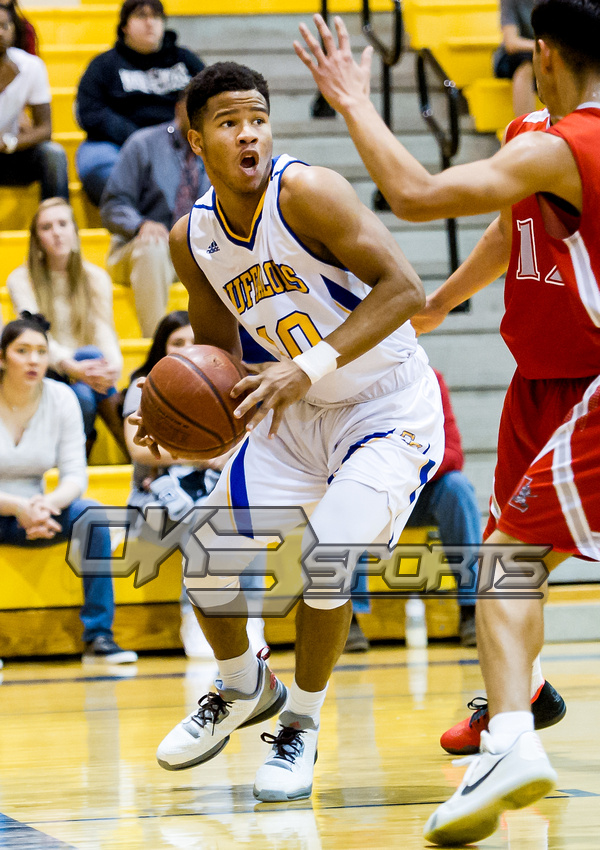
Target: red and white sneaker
(547, 706)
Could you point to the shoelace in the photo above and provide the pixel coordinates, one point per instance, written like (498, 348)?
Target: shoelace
(479, 706)
(211, 706)
(287, 743)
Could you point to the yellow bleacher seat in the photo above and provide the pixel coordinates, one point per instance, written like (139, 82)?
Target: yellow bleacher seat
(63, 112)
(490, 104)
(433, 22)
(70, 141)
(19, 203)
(66, 64)
(14, 245)
(74, 24)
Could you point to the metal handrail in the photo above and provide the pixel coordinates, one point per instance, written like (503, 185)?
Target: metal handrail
(448, 138)
(389, 57)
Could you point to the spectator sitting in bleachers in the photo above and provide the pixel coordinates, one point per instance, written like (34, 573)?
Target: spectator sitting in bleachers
(27, 154)
(173, 333)
(41, 427)
(513, 59)
(134, 85)
(76, 296)
(156, 180)
(25, 34)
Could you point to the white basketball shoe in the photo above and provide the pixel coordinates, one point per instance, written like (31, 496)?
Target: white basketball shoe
(287, 773)
(202, 735)
(493, 783)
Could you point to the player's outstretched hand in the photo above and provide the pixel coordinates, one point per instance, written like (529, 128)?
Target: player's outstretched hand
(342, 80)
(275, 389)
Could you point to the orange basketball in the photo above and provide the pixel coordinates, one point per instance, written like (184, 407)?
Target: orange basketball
(186, 403)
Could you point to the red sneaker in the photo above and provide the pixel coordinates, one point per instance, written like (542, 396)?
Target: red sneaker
(547, 706)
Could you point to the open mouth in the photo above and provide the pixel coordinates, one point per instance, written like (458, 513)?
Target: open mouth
(249, 160)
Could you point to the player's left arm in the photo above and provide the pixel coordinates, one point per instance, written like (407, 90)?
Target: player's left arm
(530, 163)
(324, 212)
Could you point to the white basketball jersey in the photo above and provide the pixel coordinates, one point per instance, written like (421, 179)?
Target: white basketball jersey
(287, 298)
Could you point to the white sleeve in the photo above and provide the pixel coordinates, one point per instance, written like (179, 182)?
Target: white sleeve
(39, 85)
(71, 460)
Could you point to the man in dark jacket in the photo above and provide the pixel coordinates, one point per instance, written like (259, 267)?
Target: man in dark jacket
(134, 85)
(156, 180)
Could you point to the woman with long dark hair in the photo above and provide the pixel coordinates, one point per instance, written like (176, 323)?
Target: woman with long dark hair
(40, 428)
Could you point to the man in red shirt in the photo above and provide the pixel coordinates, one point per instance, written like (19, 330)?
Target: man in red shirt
(549, 452)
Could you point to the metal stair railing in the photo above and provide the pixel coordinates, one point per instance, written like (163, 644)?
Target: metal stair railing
(448, 137)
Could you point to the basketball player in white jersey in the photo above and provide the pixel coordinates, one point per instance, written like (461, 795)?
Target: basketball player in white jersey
(350, 425)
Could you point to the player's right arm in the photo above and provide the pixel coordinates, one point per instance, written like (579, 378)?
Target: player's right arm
(210, 319)
(485, 264)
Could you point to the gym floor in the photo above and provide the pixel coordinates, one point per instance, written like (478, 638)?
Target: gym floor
(78, 768)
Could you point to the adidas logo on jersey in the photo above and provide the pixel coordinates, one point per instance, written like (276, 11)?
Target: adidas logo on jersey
(212, 248)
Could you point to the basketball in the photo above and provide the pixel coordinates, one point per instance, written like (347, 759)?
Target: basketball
(186, 403)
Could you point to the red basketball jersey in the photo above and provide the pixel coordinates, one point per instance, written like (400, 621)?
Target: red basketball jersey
(552, 293)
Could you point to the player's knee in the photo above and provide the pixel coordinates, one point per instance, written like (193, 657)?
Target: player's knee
(212, 591)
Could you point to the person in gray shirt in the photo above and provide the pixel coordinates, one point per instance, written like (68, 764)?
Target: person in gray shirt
(156, 180)
(512, 60)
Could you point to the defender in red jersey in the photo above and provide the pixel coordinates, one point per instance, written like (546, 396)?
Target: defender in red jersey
(545, 181)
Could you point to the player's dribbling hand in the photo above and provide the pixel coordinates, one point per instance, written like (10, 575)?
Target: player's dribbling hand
(274, 389)
(341, 80)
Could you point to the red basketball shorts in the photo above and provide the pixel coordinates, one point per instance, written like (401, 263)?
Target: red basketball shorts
(547, 479)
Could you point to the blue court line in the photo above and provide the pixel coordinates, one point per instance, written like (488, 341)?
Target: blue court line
(15, 834)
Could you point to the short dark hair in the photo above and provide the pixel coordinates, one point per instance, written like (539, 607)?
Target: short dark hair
(26, 322)
(169, 323)
(574, 26)
(130, 6)
(220, 77)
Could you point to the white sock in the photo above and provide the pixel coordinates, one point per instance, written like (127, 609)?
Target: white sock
(240, 673)
(537, 679)
(506, 727)
(306, 703)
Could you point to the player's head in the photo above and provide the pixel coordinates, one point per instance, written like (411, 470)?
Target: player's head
(228, 110)
(218, 78)
(572, 29)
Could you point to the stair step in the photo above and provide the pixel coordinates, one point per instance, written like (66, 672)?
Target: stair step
(572, 613)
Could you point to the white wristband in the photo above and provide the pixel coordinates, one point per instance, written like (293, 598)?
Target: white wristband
(318, 361)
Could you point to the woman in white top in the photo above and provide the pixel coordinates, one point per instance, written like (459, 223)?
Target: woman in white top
(26, 152)
(40, 428)
(76, 297)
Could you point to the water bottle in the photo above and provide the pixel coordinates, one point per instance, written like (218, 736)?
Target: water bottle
(416, 628)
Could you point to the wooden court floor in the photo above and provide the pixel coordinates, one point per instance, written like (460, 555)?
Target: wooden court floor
(77, 764)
